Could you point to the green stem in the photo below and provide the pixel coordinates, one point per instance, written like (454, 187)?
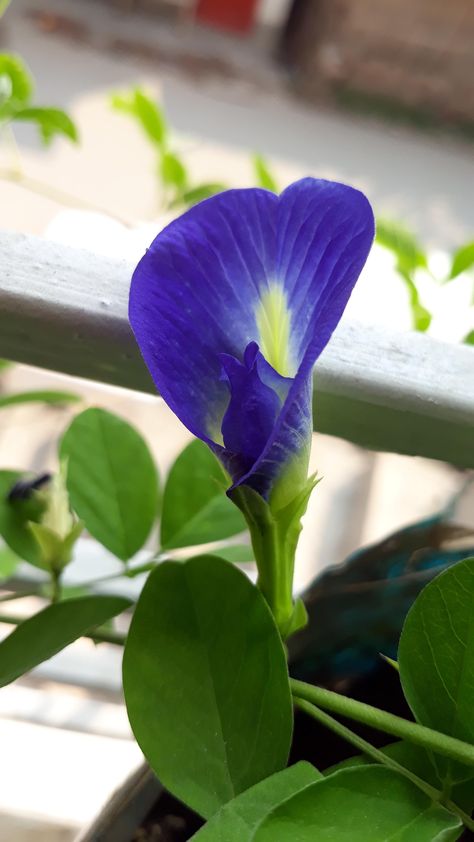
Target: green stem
(375, 754)
(130, 573)
(274, 540)
(383, 721)
(275, 577)
(55, 586)
(54, 194)
(362, 745)
(115, 638)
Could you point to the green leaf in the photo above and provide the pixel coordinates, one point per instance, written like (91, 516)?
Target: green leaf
(206, 682)
(151, 117)
(46, 633)
(46, 396)
(14, 521)
(263, 176)
(195, 507)
(198, 194)
(463, 260)
(404, 245)
(50, 122)
(237, 820)
(410, 256)
(146, 112)
(436, 658)
(357, 805)
(9, 561)
(173, 172)
(112, 480)
(469, 339)
(417, 760)
(16, 83)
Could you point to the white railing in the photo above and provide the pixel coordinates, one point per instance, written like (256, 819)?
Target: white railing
(66, 310)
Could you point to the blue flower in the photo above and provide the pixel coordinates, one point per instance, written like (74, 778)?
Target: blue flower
(231, 307)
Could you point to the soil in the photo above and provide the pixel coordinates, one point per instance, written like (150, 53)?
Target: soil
(170, 821)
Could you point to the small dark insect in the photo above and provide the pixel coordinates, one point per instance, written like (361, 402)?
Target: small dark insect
(24, 488)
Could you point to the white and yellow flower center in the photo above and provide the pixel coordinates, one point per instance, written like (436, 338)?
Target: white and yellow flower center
(274, 322)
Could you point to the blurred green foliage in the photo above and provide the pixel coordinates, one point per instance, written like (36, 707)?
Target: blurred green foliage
(463, 260)
(16, 93)
(409, 256)
(263, 176)
(173, 177)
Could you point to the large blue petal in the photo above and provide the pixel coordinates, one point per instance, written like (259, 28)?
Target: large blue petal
(325, 231)
(247, 266)
(193, 297)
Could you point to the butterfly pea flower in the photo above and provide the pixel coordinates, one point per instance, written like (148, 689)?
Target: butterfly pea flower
(231, 306)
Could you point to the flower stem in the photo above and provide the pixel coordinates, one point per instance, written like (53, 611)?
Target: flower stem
(55, 586)
(375, 754)
(274, 534)
(383, 721)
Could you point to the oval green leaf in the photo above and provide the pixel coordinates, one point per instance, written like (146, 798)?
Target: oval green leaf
(195, 507)
(436, 655)
(357, 805)
(46, 633)
(238, 820)
(112, 480)
(206, 682)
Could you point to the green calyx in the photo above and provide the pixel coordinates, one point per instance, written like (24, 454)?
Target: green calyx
(274, 534)
(56, 530)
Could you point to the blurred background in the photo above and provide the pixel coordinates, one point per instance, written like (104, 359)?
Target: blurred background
(379, 95)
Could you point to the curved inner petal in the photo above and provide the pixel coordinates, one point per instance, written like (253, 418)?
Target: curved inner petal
(257, 392)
